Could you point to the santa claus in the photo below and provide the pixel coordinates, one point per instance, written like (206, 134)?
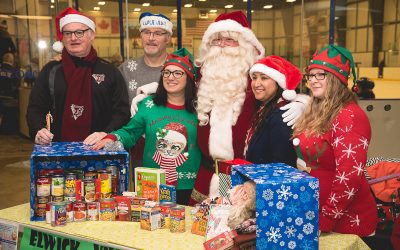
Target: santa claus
(225, 102)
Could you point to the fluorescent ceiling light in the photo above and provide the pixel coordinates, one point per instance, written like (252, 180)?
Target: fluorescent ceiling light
(101, 3)
(33, 17)
(51, 6)
(175, 10)
(245, 1)
(290, 1)
(146, 4)
(42, 44)
(96, 8)
(213, 11)
(136, 9)
(188, 5)
(202, 0)
(228, 6)
(52, 1)
(269, 6)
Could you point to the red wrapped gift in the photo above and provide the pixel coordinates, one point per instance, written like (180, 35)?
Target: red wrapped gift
(223, 170)
(226, 166)
(221, 242)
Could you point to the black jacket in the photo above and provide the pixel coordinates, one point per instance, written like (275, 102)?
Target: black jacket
(110, 104)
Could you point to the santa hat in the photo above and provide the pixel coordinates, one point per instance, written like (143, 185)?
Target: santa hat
(336, 60)
(183, 59)
(282, 71)
(149, 20)
(174, 132)
(70, 15)
(235, 21)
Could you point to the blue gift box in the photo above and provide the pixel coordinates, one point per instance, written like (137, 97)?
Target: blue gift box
(286, 205)
(74, 155)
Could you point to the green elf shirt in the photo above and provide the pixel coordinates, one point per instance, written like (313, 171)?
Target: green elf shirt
(171, 140)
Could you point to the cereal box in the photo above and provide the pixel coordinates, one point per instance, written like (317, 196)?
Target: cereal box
(147, 181)
(167, 193)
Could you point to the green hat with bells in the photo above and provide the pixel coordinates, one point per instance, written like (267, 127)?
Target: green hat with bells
(183, 59)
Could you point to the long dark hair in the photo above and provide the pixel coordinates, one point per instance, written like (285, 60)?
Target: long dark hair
(160, 97)
(265, 109)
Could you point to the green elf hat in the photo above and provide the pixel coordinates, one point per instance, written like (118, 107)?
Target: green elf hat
(183, 59)
(335, 59)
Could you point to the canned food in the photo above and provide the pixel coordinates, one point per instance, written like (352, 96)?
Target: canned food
(177, 219)
(90, 175)
(107, 209)
(43, 186)
(105, 183)
(40, 210)
(92, 211)
(70, 212)
(114, 178)
(57, 188)
(70, 186)
(43, 199)
(89, 188)
(48, 213)
(165, 209)
(79, 211)
(58, 214)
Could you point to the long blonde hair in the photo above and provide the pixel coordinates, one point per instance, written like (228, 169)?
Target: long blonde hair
(320, 113)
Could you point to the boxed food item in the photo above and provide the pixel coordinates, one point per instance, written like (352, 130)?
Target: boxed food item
(147, 182)
(286, 205)
(64, 158)
(167, 193)
(150, 218)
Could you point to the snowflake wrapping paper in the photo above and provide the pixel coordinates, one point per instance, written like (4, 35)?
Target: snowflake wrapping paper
(74, 155)
(286, 205)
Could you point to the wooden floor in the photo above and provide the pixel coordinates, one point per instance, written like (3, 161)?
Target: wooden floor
(15, 150)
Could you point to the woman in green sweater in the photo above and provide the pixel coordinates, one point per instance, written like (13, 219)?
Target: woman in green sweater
(169, 122)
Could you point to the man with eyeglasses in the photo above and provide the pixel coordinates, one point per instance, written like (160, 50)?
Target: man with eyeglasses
(155, 33)
(85, 95)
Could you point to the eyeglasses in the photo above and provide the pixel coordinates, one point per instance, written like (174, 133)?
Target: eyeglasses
(177, 73)
(318, 76)
(224, 41)
(156, 34)
(77, 33)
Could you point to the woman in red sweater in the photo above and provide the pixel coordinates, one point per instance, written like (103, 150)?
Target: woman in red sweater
(332, 139)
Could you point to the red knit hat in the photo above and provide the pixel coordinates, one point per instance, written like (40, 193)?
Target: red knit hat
(234, 21)
(335, 59)
(282, 71)
(70, 15)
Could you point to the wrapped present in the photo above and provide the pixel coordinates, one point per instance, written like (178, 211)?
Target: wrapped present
(222, 241)
(286, 205)
(60, 158)
(147, 182)
(223, 169)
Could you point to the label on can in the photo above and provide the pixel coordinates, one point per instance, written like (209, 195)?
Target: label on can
(58, 214)
(165, 209)
(92, 211)
(48, 213)
(79, 208)
(90, 175)
(177, 215)
(105, 183)
(70, 212)
(107, 210)
(40, 210)
(70, 185)
(89, 188)
(43, 186)
(57, 187)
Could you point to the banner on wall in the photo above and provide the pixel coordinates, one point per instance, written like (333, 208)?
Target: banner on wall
(114, 25)
(103, 25)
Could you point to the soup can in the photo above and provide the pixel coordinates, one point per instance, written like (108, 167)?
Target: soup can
(70, 187)
(70, 211)
(165, 210)
(89, 190)
(79, 208)
(57, 188)
(105, 183)
(92, 211)
(58, 212)
(177, 224)
(107, 209)
(90, 175)
(43, 186)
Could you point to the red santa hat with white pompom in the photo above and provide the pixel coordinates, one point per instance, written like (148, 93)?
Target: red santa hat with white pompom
(282, 71)
(70, 15)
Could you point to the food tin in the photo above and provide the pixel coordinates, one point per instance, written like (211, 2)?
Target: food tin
(48, 213)
(92, 211)
(114, 178)
(89, 188)
(79, 208)
(58, 212)
(177, 219)
(90, 175)
(165, 208)
(70, 187)
(57, 188)
(70, 212)
(43, 186)
(105, 183)
(107, 209)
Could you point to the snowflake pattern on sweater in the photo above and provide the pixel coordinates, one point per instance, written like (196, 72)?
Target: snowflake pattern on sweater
(337, 159)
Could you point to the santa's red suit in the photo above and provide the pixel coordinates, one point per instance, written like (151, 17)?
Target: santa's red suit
(212, 140)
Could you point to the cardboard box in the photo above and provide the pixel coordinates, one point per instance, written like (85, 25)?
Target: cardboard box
(286, 205)
(147, 182)
(65, 156)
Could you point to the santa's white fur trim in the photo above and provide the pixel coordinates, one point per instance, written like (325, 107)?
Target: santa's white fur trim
(214, 186)
(76, 18)
(289, 95)
(154, 21)
(220, 140)
(58, 46)
(270, 72)
(230, 25)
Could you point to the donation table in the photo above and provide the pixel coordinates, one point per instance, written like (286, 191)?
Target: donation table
(128, 235)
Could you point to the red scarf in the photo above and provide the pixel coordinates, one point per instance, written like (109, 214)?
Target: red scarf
(77, 117)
